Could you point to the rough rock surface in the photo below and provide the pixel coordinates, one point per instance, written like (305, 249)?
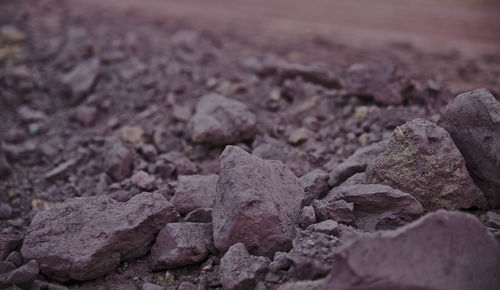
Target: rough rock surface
(422, 160)
(315, 184)
(377, 206)
(85, 238)
(181, 244)
(473, 121)
(193, 192)
(439, 251)
(338, 210)
(257, 203)
(240, 270)
(118, 160)
(356, 163)
(22, 275)
(219, 120)
(8, 243)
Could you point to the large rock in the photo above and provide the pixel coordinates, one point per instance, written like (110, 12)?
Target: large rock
(422, 160)
(181, 244)
(257, 203)
(443, 250)
(85, 238)
(473, 121)
(240, 270)
(118, 160)
(193, 192)
(377, 206)
(220, 120)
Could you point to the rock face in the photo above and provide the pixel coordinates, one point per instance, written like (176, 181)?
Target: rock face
(422, 160)
(219, 120)
(473, 121)
(257, 203)
(181, 244)
(193, 192)
(85, 238)
(118, 160)
(240, 270)
(377, 206)
(443, 250)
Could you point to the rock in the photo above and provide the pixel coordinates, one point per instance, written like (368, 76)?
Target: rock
(328, 227)
(315, 184)
(85, 238)
(181, 113)
(85, 115)
(200, 215)
(181, 244)
(293, 158)
(22, 275)
(239, 270)
(307, 217)
(4, 164)
(175, 162)
(340, 211)
(219, 120)
(151, 286)
(148, 151)
(61, 170)
(15, 258)
(134, 135)
(143, 180)
(257, 203)
(300, 135)
(5, 211)
(380, 83)
(358, 178)
(422, 160)
(28, 115)
(8, 243)
(473, 121)
(118, 160)
(304, 285)
(6, 267)
(193, 192)
(493, 220)
(356, 163)
(164, 140)
(82, 78)
(443, 250)
(377, 206)
(187, 286)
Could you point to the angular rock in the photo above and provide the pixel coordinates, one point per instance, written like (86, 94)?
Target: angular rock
(15, 258)
(328, 227)
(181, 244)
(8, 243)
(22, 275)
(307, 217)
(85, 238)
(5, 211)
(377, 206)
(200, 215)
(493, 220)
(422, 160)
(118, 160)
(239, 270)
(134, 135)
(358, 178)
(340, 211)
(315, 184)
(257, 203)
(219, 120)
(85, 115)
(27, 115)
(473, 121)
(443, 250)
(356, 163)
(193, 192)
(82, 78)
(175, 162)
(143, 180)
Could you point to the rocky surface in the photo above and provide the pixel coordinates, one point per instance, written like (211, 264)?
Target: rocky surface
(421, 159)
(257, 203)
(473, 121)
(85, 238)
(194, 192)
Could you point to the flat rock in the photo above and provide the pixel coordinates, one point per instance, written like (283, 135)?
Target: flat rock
(377, 206)
(118, 160)
(85, 238)
(82, 78)
(356, 163)
(473, 121)
(219, 120)
(193, 192)
(443, 250)
(22, 275)
(338, 210)
(257, 203)
(240, 270)
(181, 244)
(315, 184)
(422, 160)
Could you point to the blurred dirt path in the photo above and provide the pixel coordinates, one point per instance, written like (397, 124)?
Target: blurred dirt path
(433, 26)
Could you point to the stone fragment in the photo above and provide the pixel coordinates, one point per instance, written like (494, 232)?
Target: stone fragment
(300, 135)
(82, 78)
(339, 210)
(358, 178)
(315, 184)
(193, 192)
(240, 270)
(493, 220)
(175, 162)
(85, 115)
(61, 170)
(307, 217)
(200, 215)
(143, 180)
(443, 250)
(85, 238)
(15, 258)
(5, 168)
(473, 121)
(134, 135)
(22, 275)
(151, 286)
(219, 120)
(118, 160)
(181, 244)
(356, 163)
(148, 151)
(5, 211)
(422, 160)
(328, 227)
(8, 243)
(257, 203)
(28, 115)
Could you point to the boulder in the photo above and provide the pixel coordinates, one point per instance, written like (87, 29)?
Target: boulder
(422, 160)
(193, 192)
(257, 203)
(85, 238)
(473, 121)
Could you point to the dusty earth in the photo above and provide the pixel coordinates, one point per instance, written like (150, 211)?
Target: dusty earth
(107, 100)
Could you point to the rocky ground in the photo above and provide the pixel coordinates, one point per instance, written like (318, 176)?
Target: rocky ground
(145, 154)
